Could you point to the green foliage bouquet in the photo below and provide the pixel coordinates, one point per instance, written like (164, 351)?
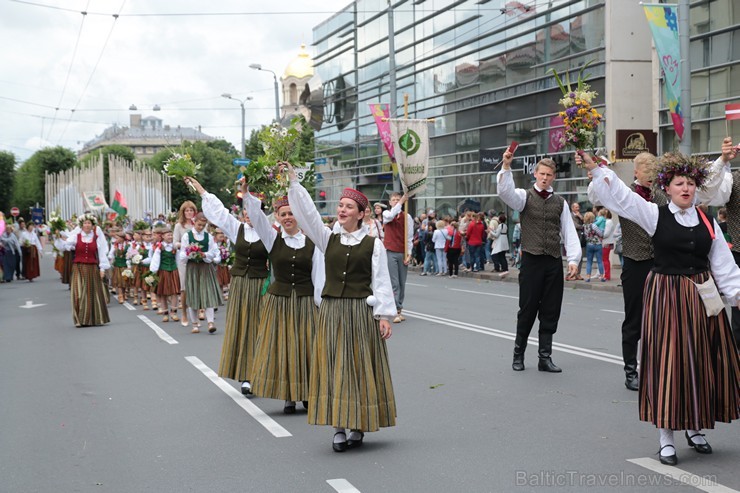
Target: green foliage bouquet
(180, 166)
(56, 223)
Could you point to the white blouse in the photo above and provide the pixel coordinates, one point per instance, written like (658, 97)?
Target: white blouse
(71, 243)
(211, 256)
(217, 214)
(310, 220)
(620, 199)
(156, 255)
(32, 239)
(267, 234)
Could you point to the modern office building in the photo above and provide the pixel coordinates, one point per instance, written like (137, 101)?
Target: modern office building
(481, 69)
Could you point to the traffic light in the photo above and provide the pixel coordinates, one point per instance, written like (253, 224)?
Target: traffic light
(322, 199)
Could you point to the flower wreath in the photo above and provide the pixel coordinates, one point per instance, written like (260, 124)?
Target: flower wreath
(673, 164)
(87, 217)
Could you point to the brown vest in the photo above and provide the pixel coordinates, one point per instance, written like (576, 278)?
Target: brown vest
(292, 268)
(349, 269)
(541, 226)
(250, 259)
(636, 243)
(394, 239)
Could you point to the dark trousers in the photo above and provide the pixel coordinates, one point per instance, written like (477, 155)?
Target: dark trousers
(540, 296)
(8, 265)
(633, 278)
(499, 261)
(735, 311)
(453, 260)
(18, 271)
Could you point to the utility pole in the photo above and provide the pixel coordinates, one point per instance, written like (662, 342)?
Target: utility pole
(392, 75)
(685, 100)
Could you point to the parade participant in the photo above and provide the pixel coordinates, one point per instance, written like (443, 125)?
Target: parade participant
(32, 250)
(90, 250)
(398, 248)
(545, 218)
(248, 275)
(200, 252)
(690, 369)
(120, 273)
(184, 223)
(145, 251)
(285, 336)
(135, 256)
(12, 252)
(164, 264)
(351, 383)
(158, 229)
(222, 269)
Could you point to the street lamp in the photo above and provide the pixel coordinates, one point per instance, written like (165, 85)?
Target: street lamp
(257, 66)
(241, 103)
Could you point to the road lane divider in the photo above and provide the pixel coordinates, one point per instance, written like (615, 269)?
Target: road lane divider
(342, 486)
(258, 414)
(158, 330)
(676, 475)
(564, 348)
(129, 306)
(487, 294)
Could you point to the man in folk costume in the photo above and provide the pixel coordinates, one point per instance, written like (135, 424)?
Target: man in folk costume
(399, 254)
(545, 219)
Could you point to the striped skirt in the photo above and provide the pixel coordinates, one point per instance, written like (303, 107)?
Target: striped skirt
(223, 275)
(240, 333)
(88, 296)
(282, 355)
(117, 280)
(690, 374)
(201, 288)
(69, 258)
(169, 283)
(351, 383)
(30, 262)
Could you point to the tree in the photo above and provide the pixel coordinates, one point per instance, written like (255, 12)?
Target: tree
(121, 151)
(29, 183)
(7, 177)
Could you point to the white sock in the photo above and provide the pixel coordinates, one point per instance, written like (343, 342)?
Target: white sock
(698, 439)
(192, 315)
(354, 435)
(339, 438)
(209, 315)
(666, 440)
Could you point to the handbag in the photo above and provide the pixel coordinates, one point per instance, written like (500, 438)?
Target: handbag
(710, 296)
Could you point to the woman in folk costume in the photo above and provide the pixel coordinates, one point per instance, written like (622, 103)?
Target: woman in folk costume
(185, 218)
(164, 265)
(90, 248)
(222, 269)
(121, 273)
(248, 275)
(12, 252)
(32, 250)
(200, 252)
(690, 370)
(145, 290)
(285, 337)
(351, 383)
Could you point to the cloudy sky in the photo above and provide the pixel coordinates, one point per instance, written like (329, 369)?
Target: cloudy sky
(94, 67)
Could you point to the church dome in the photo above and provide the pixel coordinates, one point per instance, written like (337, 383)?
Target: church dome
(301, 66)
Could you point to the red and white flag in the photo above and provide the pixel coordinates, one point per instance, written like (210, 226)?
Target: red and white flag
(732, 111)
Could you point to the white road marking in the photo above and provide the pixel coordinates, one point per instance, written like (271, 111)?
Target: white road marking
(158, 330)
(342, 486)
(258, 414)
(417, 285)
(487, 294)
(685, 477)
(29, 304)
(129, 306)
(619, 312)
(565, 348)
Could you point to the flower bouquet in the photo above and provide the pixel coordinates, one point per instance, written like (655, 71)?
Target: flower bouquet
(136, 259)
(151, 280)
(57, 224)
(194, 253)
(225, 253)
(180, 166)
(580, 120)
(128, 274)
(26, 243)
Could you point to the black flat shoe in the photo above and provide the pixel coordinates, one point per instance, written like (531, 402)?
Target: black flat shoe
(246, 388)
(340, 446)
(289, 409)
(356, 443)
(703, 448)
(632, 383)
(518, 364)
(305, 405)
(668, 460)
(547, 365)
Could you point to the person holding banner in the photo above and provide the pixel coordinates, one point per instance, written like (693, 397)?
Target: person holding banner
(398, 248)
(545, 218)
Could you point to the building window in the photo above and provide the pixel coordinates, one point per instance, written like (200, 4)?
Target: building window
(293, 93)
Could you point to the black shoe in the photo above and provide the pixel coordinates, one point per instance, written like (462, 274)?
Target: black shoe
(668, 460)
(305, 405)
(632, 382)
(246, 388)
(703, 448)
(518, 364)
(546, 364)
(340, 446)
(289, 408)
(356, 443)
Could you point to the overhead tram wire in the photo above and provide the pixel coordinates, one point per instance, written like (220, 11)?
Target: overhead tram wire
(69, 70)
(95, 68)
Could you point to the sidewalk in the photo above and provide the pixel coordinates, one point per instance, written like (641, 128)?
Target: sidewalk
(613, 285)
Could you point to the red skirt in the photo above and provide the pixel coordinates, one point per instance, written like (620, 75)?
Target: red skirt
(223, 275)
(169, 283)
(30, 262)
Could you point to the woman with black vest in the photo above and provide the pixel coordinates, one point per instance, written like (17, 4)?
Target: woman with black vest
(248, 274)
(351, 383)
(282, 354)
(690, 373)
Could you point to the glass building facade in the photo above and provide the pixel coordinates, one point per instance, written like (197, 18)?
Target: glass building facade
(481, 69)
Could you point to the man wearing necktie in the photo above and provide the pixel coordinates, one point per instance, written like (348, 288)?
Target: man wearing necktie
(545, 219)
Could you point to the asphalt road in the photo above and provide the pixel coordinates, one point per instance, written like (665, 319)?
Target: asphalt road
(134, 406)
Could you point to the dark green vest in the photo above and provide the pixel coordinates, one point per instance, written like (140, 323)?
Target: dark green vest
(349, 269)
(203, 243)
(291, 268)
(250, 259)
(119, 258)
(167, 261)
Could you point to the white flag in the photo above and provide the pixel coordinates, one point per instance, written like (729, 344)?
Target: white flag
(411, 144)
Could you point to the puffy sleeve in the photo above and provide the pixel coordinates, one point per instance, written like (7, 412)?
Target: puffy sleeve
(307, 216)
(216, 213)
(156, 260)
(102, 244)
(516, 198)
(385, 305)
(724, 269)
(184, 243)
(619, 199)
(260, 223)
(318, 275)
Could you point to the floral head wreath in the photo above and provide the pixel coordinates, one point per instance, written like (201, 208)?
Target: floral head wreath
(87, 217)
(672, 164)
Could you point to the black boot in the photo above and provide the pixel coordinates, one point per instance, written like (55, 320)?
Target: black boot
(632, 380)
(520, 344)
(545, 350)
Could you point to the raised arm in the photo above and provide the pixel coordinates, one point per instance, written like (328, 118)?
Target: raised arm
(260, 223)
(516, 198)
(306, 214)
